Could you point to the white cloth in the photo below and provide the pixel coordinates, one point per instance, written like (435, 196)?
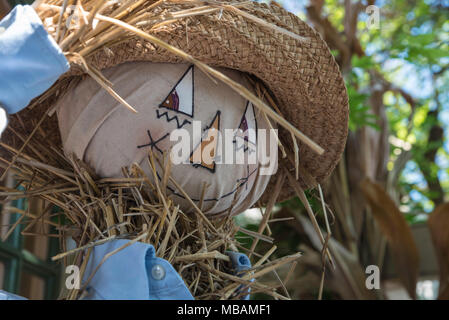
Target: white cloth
(102, 132)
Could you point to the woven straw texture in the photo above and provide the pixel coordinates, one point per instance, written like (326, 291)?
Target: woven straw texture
(301, 74)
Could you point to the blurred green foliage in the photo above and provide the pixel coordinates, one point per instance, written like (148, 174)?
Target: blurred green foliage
(410, 50)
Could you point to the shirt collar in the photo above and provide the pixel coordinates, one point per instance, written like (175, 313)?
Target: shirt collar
(127, 273)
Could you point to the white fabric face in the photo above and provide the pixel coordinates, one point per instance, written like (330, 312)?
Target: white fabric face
(106, 135)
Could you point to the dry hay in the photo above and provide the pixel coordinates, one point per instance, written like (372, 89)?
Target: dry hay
(95, 210)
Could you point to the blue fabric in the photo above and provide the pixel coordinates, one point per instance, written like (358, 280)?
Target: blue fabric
(127, 274)
(240, 263)
(9, 296)
(30, 60)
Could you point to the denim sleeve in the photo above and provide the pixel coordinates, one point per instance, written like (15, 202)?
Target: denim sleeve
(30, 60)
(9, 296)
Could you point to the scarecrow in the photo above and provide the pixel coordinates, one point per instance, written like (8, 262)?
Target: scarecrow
(151, 212)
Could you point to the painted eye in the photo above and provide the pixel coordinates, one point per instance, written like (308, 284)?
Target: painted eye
(246, 135)
(181, 96)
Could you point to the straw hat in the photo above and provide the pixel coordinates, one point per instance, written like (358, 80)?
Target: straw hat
(265, 41)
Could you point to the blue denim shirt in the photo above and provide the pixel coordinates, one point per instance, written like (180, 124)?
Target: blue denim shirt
(135, 273)
(30, 60)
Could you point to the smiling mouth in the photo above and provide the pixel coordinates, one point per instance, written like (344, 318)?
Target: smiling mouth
(241, 182)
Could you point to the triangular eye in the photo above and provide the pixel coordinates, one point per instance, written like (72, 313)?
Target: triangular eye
(248, 123)
(181, 96)
(206, 151)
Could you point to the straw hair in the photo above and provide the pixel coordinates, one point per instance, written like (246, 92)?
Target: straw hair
(94, 211)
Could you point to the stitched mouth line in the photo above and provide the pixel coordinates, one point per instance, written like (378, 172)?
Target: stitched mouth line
(242, 181)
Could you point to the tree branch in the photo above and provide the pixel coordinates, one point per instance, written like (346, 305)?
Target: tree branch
(4, 8)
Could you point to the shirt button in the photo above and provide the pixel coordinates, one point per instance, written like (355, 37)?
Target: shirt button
(158, 272)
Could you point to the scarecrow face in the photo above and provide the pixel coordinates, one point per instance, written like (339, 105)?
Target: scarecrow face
(182, 113)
